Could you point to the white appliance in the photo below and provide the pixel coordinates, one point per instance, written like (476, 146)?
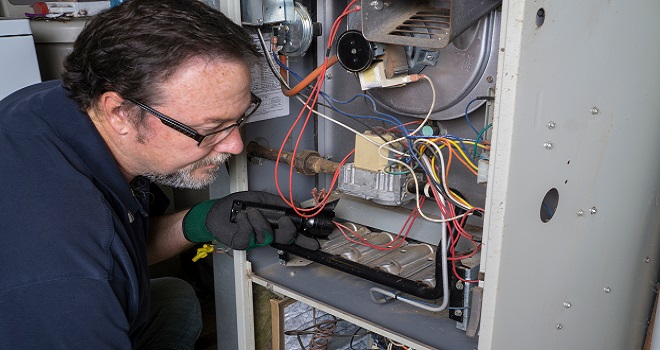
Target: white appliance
(18, 61)
(53, 41)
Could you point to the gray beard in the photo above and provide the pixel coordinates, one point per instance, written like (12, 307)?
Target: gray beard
(184, 178)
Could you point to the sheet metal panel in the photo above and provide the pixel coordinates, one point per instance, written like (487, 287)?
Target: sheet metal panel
(586, 278)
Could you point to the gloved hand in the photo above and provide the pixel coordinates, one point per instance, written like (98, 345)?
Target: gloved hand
(209, 221)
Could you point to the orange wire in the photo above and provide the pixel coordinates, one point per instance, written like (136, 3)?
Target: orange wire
(314, 97)
(309, 78)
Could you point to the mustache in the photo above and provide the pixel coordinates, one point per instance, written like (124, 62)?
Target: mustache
(217, 159)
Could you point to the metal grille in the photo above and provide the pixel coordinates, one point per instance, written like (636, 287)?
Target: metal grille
(410, 23)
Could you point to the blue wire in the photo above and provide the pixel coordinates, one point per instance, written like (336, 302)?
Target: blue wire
(281, 64)
(547, 208)
(460, 142)
(386, 117)
(467, 118)
(328, 98)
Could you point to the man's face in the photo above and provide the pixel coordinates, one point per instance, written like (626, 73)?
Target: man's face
(206, 96)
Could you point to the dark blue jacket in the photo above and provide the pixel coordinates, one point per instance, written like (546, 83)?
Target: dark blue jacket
(73, 270)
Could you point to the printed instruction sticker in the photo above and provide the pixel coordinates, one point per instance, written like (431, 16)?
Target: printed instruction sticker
(265, 85)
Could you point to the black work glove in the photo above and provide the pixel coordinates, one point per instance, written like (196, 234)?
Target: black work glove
(210, 220)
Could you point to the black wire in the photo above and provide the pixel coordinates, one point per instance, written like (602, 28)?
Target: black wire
(355, 335)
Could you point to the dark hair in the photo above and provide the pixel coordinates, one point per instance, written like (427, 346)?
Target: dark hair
(134, 47)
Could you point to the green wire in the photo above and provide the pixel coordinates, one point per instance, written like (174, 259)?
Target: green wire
(476, 142)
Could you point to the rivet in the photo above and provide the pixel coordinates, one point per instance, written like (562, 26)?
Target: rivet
(559, 326)
(593, 210)
(607, 289)
(548, 145)
(458, 313)
(594, 110)
(580, 212)
(552, 125)
(567, 304)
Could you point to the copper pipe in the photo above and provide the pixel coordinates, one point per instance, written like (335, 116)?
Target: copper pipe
(306, 162)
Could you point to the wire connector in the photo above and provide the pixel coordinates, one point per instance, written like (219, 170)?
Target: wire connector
(203, 252)
(374, 77)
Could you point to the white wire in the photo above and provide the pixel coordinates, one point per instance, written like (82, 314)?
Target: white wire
(271, 63)
(430, 109)
(349, 128)
(443, 174)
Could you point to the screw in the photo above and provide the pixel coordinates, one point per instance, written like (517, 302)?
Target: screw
(259, 20)
(458, 313)
(552, 125)
(548, 145)
(647, 260)
(594, 110)
(540, 13)
(593, 210)
(489, 79)
(580, 212)
(328, 76)
(559, 326)
(459, 285)
(567, 304)
(377, 5)
(607, 289)
(429, 57)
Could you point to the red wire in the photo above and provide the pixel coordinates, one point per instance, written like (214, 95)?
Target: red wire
(400, 237)
(313, 97)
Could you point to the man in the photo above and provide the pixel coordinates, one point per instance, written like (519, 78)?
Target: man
(154, 91)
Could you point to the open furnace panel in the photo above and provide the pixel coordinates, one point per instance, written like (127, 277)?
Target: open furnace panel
(469, 122)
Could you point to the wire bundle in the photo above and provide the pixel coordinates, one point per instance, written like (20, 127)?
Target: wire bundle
(408, 153)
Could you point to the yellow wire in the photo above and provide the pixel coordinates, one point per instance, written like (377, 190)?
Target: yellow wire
(460, 150)
(451, 193)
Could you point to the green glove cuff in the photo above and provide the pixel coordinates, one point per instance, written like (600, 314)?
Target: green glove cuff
(194, 223)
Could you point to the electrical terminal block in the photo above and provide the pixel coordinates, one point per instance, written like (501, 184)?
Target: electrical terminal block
(482, 171)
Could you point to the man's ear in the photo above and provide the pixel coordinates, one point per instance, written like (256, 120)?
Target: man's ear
(110, 104)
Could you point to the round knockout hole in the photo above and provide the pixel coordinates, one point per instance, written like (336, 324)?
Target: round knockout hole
(540, 17)
(549, 205)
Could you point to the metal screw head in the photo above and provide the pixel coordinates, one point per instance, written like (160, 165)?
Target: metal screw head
(458, 313)
(567, 304)
(593, 210)
(548, 145)
(459, 285)
(580, 212)
(594, 110)
(490, 79)
(328, 76)
(552, 125)
(377, 5)
(607, 289)
(559, 326)
(647, 260)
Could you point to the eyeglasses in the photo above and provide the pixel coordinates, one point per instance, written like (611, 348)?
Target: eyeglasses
(202, 139)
